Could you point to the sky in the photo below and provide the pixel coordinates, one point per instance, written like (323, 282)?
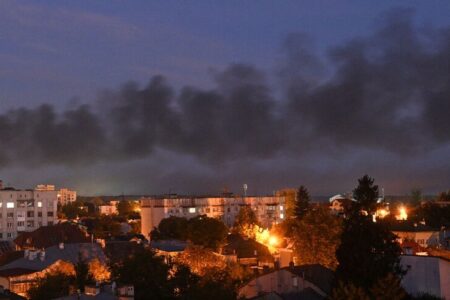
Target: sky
(151, 97)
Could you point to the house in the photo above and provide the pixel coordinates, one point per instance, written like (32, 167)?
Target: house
(47, 236)
(423, 235)
(311, 281)
(168, 248)
(426, 274)
(247, 252)
(20, 274)
(339, 204)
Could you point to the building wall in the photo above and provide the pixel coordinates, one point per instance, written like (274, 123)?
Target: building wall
(269, 210)
(423, 238)
(26, 210)
(66, 196)
(107, 210)
(426, 274)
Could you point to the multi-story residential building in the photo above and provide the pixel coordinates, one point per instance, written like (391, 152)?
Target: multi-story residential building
(66, 196)
(26, 210)
(108, 209)
(269, 209)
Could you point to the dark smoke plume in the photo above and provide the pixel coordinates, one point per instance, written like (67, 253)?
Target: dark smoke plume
(389, 91)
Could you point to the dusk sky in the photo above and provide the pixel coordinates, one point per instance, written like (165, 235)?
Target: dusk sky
(149, 97)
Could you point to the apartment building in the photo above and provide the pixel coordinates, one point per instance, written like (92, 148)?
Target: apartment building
(26, 210)
(66, 196)
(269, 209)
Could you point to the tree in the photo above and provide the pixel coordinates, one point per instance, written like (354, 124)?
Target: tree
(290, 200)
(104, 226)
(200, 259)
(98, 271)
(368, 252)
(50, 287)
(246, 218)
(388, 288)
(82, 273)
(148, 273)
(72, 210)
(207, 232)
(171, 228)
(216, 284)
(443, 196)
(316, 237)
(301, 202)
(366, 195)
(416, 197)
(348, 291)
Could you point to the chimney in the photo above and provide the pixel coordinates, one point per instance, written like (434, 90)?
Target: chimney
(42, 255)
(61, 246)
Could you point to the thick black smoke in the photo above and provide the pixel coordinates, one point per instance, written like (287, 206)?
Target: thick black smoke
(389, 91)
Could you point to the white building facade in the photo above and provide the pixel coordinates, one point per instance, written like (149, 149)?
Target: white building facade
(268, 209)
(26, 210)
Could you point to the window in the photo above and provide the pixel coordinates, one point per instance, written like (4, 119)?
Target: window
(40, 214)
(50, 214)
(30, 214)
(10, 215)
(281, 207)
(281, 216)
(9, 235)
(20, 224)
(9, 225)
(50, 223)
(1, 235)
(39, 204)
(1, 204)
(30, 224)
(192, 210)
(10, 205)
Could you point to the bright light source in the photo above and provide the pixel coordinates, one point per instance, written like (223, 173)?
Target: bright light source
(10, 205)
(281, 216)
(281, 207)
(273, 241)
(39, 204)
(402, 215)
(192, 210)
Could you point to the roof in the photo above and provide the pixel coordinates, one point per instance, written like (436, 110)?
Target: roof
(411, 227)
(318, 275)
(15, 272)
(8, 295)
(47, 236)
(340, 197)
(245, 248)
(70, 253)
(169, 245)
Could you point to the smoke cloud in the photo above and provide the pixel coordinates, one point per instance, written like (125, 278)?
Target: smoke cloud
(386, 92)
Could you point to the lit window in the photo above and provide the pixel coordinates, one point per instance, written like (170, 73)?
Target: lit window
(281, 216)
(1, 204)
(281, 207)
(192, 210)
(10, 205)
(39, 204)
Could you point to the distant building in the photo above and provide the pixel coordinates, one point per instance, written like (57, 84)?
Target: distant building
(426, 274)
(26, 210)
(302, 282)
(424, 236)
(108, 209)
(45, 187)
(269, 209)
(66, 196)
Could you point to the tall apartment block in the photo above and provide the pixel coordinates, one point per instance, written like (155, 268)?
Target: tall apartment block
(26, 210)
(269, 209)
